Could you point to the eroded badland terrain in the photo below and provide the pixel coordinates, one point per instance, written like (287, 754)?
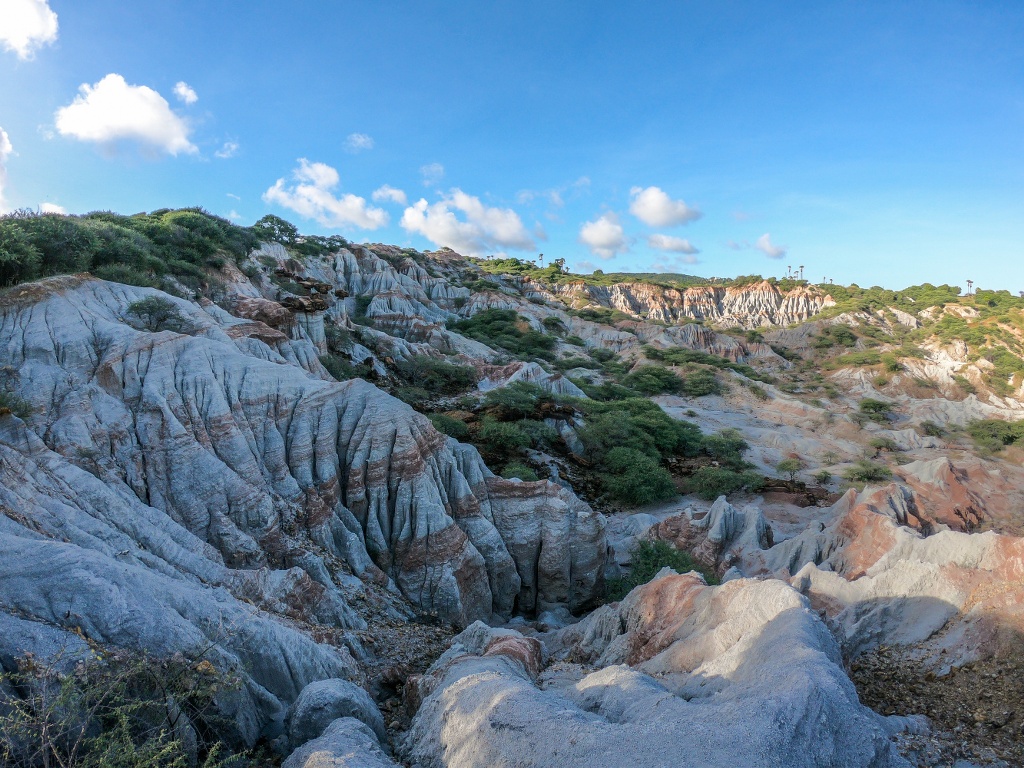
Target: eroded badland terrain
(295, 499)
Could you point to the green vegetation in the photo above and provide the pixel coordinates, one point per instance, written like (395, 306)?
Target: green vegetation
(993, 434)
(646, 561)
(340, 368)
(144, 249)
(155, 313)
(517, 400)
(932, 429)
(681, 356)
(634, 478)
(12, 403)
(449, 426)
(864, 471)
(824, 477)
(118, 710)
(792, 467)
(711, 482)
(435, 376)
(520, 470)
(504, 329)
(503, 438)
(835, 335)
(878, 411)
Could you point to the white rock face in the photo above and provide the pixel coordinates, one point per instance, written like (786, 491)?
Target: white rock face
(742, 674)
(347, 743)
(175, 491)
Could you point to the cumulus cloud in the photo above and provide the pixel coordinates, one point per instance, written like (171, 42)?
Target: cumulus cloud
(112, 111)
(481, 230)
(432, 173)
(604, 236)
(51, 208)
(6, 150)
(768, 248)
(671, 244)
(655, 208)
(357, 142)
(234, 215)
(185, 92)
(229, 150)
(389, 194)
(26, 26)
(311, 195)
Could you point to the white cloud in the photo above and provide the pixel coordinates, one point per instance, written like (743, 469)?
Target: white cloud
(230, 149)
(185, 92)
(112, 111)
(671, 244)
(655, 208)
(483, 229)
(51, 208)
(6, 150)
(233, 196)
(357, 142)
(26, 26)
(768, 248)
(234, 215)
(390, 194)
(604, 236)
(311, 195)
(432, 174)
(737, 246)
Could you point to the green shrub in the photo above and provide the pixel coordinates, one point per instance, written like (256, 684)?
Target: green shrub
(824, 477)
(118, 710)
(932, 429)
(520, 470)
(993, 434)
(122, 273)
(647, 559)
(503, 437)
(542, 435)
(504, 329)
(711, 482)
(156, 313)
(576, 341)
(338, 367)
(634, 478)
(12, 403)
(877, 410)
(449, 426)
(726, 447)
(701, 383)
(884, 444)
(518, 399)
(412, 395)
(653, 380)
(436, 376)
(792, 467)
(864, 471)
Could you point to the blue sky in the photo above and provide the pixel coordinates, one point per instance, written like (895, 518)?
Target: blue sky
(872, 142)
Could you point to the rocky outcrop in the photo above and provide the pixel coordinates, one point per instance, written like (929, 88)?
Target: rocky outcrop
(180, 472)
(346, 743)
(750, 306)
(742, 674)
(712, 536)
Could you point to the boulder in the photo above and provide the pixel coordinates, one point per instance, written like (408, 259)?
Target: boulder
(324, 701)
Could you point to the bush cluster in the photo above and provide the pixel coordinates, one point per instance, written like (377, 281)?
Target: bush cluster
(505, 329)
(646, 561)
(993, 434)
(138, 250)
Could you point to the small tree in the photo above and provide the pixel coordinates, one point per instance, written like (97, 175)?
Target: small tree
(156, 313)
(791, 466)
